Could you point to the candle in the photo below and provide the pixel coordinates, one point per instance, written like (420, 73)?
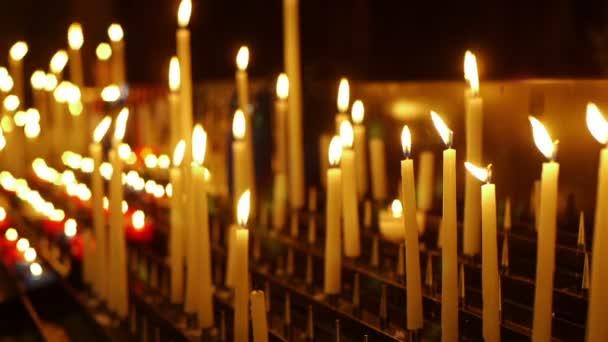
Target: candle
(412, 259)
(38, 81)
(343, 102)
(116, 35)
(280, 127)
(258, 315)
(323, 147)
(241, 288)
(360, 147)
(545, 265)
(333, 208)
(240, 158)
(99, 225)
(16, 53)
(118, 284)
(103, 52)
(378, 168)
(474, 143)
(174, 103)
(489, 254)
(291, 54)
(391, 222)
(426, 174)
(449, 242)
(58, 63)
(177, 225)
(185, 68)
(60, 129)
(350, 210)
(75, 41)
(231, 260)
(597, 330)
(506, 225)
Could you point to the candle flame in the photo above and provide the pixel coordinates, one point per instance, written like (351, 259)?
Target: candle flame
(343, 95)
(478, 172)
(199, 144)
(242, 58)
(115, 32)
(11, 234)
(406, 141)
(36, 269)
(396, 208)
(11, 103)
(183, 13)
(58, 61)
(138, 220)
(242, 208)
(174, 74)
(282, 86)
(70, 228)
(38, 80)
(335, 150)
(542, 139)
(75, 37)
(110, 93)
(597, 124)
(23, 244)
(346, 134)
(18, 50)
(470, 71)
(6, 81)
(103, 51)
(121, 124)
(442, 128)
(357, 112)
(178, 153)
(102, 129)
(51, 82)
(238, 125)
(30, 255)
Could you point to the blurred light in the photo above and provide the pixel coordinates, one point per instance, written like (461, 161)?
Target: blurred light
(11, 234)
(69, 228)
(30, 254)
(22, 245)
(36, 269)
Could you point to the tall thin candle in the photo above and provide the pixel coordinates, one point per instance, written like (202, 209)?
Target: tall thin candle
(16, 54)
(116, 35)
(241, 290)
(360, 147)
(350, 210)
(174, 102)
(177, 225)
(333, 237)
(75, 41)
(185, 64)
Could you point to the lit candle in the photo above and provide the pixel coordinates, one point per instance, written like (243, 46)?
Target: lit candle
(343, 102)
(177, 225)
(38, 81)
(426, 174)
(333, 208)
(377, 162)
(412, 258)
(449, 238)
(350, 210)
(103, 77)
(185, 68)
(391, 222)
(60, 129)
(174, 103)
(258, 315)
(360, 147)
(15, 64)
(75, 41)
(99, 225)
(240, 159)
(474, 142)
(241, 288)
(279, 214)
(597, 329)
(545, 265)
(116, 35)
(489, 254)
(58, 63)
(291, 54)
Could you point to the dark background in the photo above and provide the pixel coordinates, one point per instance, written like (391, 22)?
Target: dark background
(363, 39)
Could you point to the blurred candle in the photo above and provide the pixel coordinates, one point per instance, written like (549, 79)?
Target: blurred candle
(279, 214)
(426, 174)
(15, 63)
(177, 225)
(350, 209)
(103, 52)
(333, 215)
(241, 288)
(116, 35)
(174, 102)
(75, 41)
(240, 165)
(545, 265)
(258, 315)
(324, 164)
(343, 102)
(378, 168)
(58, 63)
(360, 147)
(449, 242)
(185, 68)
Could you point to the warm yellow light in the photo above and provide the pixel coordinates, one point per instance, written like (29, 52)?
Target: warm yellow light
(174, 74)
(103, 51)
(442, 129)
(2, 141)
(32, 130)
(58, 61)
(396, 208)
(542, 139)
(11, 103)
(105, 203)
(242, 58)
(124, 151)
(67, 92)
(87, 165)
(30, 255)
(178, 153)
(115, 32)
(11, 234)
(138, 220)
(282, 86)
(470, 71)
(238, 125)
(597, 124)
(36, 269)
(121, 124)
(2, 214)
(22, 245)
(106, 170)
(406, 141)
(70, 228)
(343, 95)
(38, 80)
(20, 118)
(478, 172)
(151, 161)
(199, 144)
(164, 161)
(102, 128)
(346, 134)
(357, 112)
(18, 51)
(335, 150)
(75, 37)
(183, 13)
(110, 93)
(57, 215)
(242, 208)
(6, 123)
(6, 81)
(50, 83)
(125, 207)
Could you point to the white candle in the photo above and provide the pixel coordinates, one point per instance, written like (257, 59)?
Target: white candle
(241, 289)
(350, 210)
(333, 243)
(231, 259)
(597, 329)
(240, 158)
(258, 315)
(177, 225)
(279, 201)
(415, 319)
(103, 52)
(378, 168)
(16, 53)
(426, 178)
(547, 216)
(174, 102)
(116, 35)
(291, 54)
(360, 147)
(185, 67)
(449, 236)
(280, 127)
(75, 41)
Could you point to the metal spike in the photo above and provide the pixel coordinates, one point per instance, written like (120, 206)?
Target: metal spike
(309, 271)
(289, 261)
(383, 308)
(585, 281)
(506, 223)
(428, 277)
(375, 256)
(338, 333)
(295, 225)
(462, 287)
(310, 325)
(504, 257)
(581, 232)
(356, 292)
(401, 263)
(367, 214)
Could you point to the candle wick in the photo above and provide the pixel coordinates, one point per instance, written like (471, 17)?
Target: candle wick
(554, 154)
(450, 139)
(489, 178)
